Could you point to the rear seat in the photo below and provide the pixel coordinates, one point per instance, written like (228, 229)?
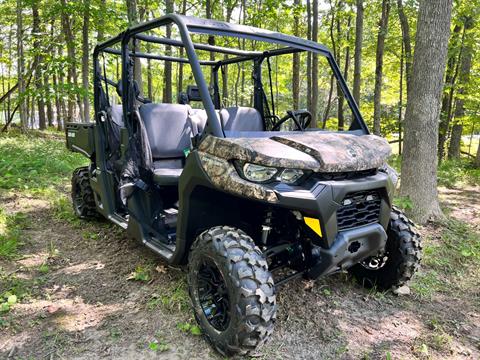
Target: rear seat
(241, 118)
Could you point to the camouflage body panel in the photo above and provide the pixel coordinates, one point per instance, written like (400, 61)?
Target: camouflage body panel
(224, 175)
(337, 152)
(316, 151)
(319, 152)
(263, 151)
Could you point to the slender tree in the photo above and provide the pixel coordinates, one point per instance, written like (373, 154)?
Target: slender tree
(85, 59)
(377, 96)
(167, 86)
(477, 158)
(419, 166)
(407, 42)
(36, 32)
(132, 14)
(314, 109)
(357, 67)
(21, 67)
(296, 58)
(450, 78)
(457, 128)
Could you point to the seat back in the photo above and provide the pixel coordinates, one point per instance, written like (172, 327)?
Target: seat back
(241, 119)
(169, 129)
(198, 119)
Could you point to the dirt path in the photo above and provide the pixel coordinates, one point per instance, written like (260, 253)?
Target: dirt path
(78, 303)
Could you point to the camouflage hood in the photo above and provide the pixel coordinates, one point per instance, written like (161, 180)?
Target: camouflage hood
(317, 151)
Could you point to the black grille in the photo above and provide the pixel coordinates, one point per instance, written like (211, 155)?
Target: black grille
(359, 208)
(347, 175)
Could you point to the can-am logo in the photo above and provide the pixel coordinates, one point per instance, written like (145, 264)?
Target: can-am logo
(352, 152)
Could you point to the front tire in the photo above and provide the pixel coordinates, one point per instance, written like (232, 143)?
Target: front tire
(403, 253)
(83, 200)
(232, 291)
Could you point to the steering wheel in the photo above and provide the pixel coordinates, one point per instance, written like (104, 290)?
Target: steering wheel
(301, 118)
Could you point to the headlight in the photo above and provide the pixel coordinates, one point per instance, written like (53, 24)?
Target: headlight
(258, 173)
(261, 174)
(290, 176)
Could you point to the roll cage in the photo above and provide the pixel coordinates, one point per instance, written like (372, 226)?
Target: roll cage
(187, 25)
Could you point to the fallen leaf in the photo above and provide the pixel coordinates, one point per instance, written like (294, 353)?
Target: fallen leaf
(162, 269)
(52, 309)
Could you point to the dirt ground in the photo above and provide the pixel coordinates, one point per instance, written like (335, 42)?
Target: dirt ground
(83, 302)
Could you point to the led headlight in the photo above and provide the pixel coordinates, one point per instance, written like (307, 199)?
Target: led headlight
(290, 176)
(258, 173)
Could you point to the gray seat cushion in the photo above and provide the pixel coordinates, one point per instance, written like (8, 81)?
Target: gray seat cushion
(169, 131)
(167, 171)
(166, 177)
(168, 128)
(241, 119)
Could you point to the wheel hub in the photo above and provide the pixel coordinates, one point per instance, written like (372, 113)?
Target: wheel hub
(375, 262)
(213, 295)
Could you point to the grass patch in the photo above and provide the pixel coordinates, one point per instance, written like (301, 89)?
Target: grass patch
(11, 226)
(451, 173)
(36, 163)
(173, 298)
(450, 262)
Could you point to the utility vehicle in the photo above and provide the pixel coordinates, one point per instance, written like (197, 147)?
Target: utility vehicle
(232, 176)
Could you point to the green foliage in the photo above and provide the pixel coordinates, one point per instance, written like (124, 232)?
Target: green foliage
(187, 327)
(448, 259)
(171, 298)
(452, 173)
(141, 273)
(11, 226)
(35, 163)
(403, 202)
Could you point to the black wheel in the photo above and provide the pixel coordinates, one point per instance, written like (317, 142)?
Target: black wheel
(232, 291)
(400, 260)
(82, 195)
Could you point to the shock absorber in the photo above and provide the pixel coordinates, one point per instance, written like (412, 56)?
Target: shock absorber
(266, 227)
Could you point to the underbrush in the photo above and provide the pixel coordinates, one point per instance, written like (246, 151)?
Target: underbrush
(451, 173)
(450, 260)
(36, 163)
(10, 233)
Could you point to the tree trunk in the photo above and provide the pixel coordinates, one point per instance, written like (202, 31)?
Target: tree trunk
(309, 57)
(208, 14)
(400, 102)
(455, 141)
(72, 68)
(477, 158)
(180, 65)
(85, 58)
(296, 57)
(377, 95)
(407, 42)
(463, 81)
(132, 14)
(357, 67)
(101, 25)
(341, 95)
(314, 112)
(450, 78)
(36, 32)
(21, 67)
(419, 166)
(167, 87)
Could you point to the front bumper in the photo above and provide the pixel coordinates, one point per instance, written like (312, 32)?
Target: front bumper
(338, 247)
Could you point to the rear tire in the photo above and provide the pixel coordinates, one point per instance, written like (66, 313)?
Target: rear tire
(403, 251)
(83, 200)
(246, 296)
